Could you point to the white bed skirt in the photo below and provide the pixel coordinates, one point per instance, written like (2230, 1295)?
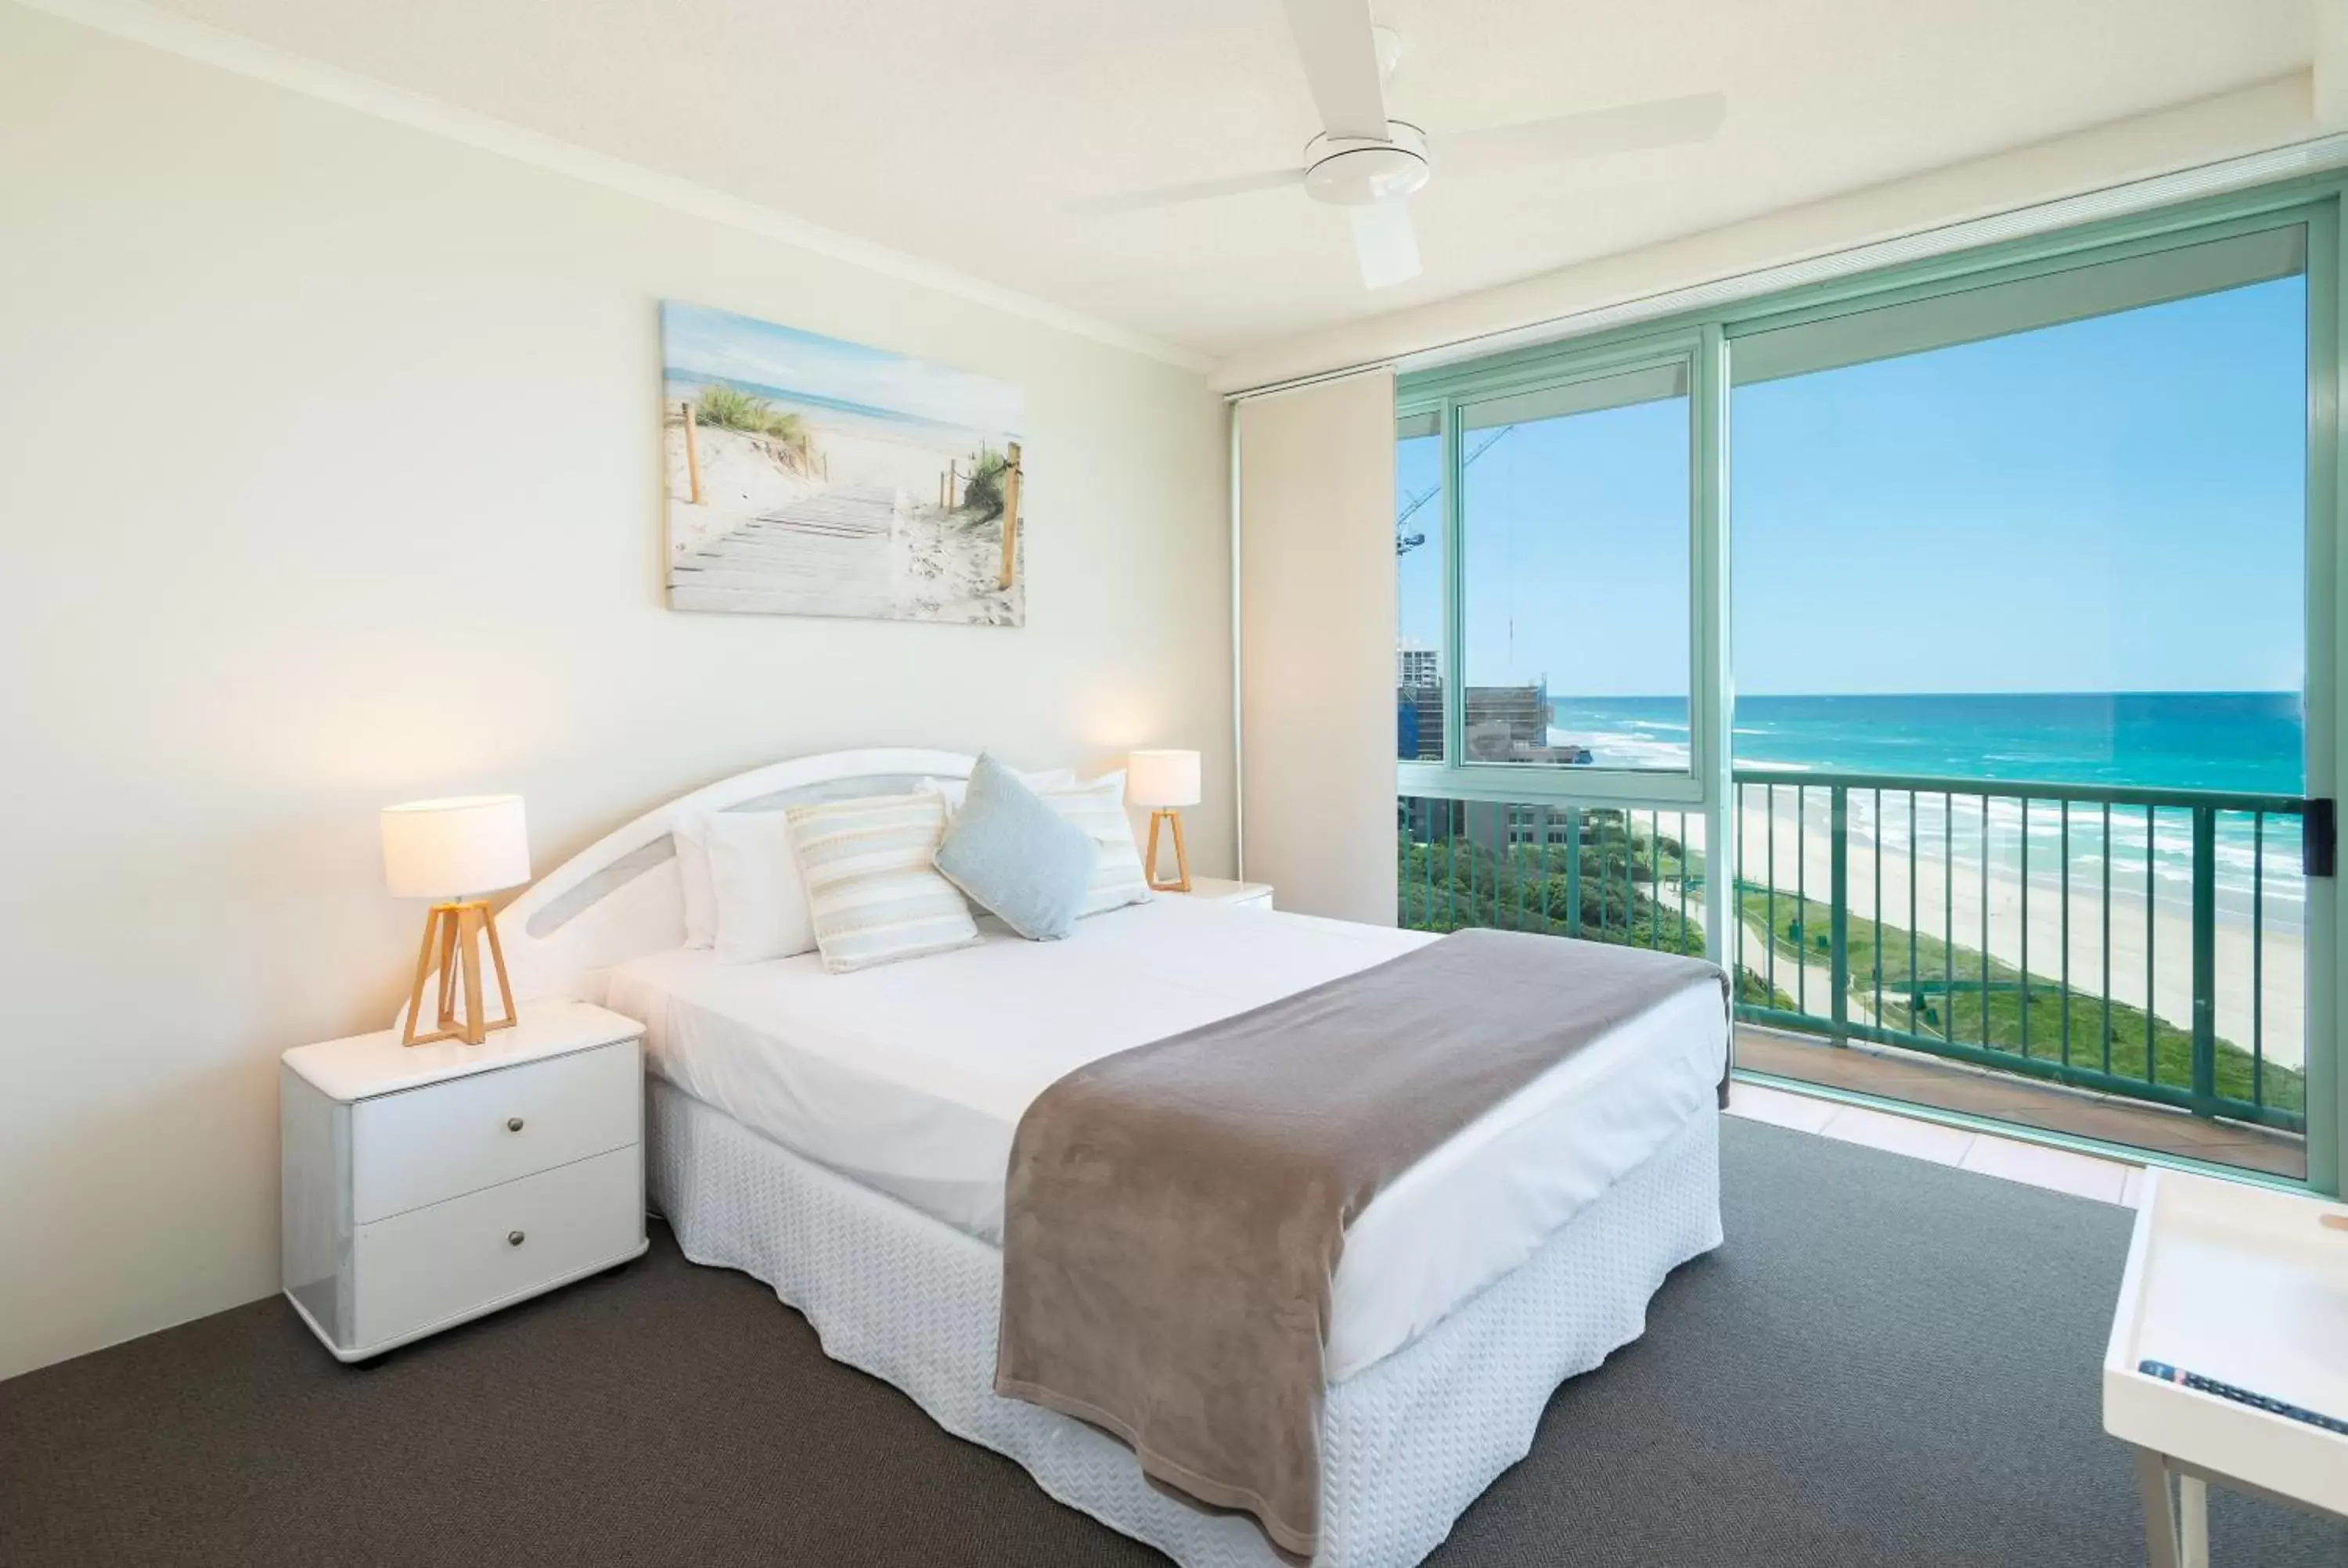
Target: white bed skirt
(1407, 1444)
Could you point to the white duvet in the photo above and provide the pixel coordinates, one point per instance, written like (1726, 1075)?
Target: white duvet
(911, 1078)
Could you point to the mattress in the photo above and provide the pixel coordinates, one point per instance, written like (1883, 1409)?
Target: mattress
(911, 1079)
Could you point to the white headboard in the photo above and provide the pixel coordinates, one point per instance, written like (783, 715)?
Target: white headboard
(620, 896)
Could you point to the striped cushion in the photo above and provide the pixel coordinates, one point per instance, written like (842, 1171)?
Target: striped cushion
(873, 894)
(1098, 807)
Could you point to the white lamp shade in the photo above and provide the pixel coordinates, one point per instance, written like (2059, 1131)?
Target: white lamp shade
(451, 848)
(1162, 778)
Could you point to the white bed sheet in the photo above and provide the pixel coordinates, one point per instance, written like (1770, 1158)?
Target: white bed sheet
(911, 1078)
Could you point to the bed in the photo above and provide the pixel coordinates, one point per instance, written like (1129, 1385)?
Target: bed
(844, 1138)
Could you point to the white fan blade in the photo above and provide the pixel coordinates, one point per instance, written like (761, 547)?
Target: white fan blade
(1386, 242)
(1174, 195)
(1632, 128)
(1341, 63)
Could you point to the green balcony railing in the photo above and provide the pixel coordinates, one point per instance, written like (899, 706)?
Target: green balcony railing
(2140, 943)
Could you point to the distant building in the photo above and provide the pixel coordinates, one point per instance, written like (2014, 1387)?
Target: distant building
(1418, 704)
(1504, 723)
(1489, 823)
(1419, 722)
(1510, 724)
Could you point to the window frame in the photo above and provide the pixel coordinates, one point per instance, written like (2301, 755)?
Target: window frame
(2086, 253)
(2313, 202)
(1454, 776)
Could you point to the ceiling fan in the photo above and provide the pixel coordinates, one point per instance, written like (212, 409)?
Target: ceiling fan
(1369, 163)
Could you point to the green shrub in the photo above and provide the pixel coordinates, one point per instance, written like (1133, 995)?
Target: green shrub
(727, 408)
(982, 497)
(1912, 981)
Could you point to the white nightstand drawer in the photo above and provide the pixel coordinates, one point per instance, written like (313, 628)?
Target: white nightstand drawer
(424, 1145)
(458, 1259)
(1235, 895)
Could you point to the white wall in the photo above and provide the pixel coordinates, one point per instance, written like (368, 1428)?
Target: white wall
(328, 479)
(1316, 592)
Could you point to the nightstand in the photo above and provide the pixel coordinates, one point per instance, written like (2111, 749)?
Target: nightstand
(1223, 890)
(427, 1185)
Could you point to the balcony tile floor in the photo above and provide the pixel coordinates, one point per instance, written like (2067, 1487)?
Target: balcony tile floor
(1919, 1080)
(2106, 1181)
(2082, 1175)
(1900, 1134)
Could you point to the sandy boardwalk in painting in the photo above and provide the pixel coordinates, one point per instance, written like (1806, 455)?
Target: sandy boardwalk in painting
(867, 540)
(824, 553)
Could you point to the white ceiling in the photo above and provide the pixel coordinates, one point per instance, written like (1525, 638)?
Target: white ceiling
(957, 132)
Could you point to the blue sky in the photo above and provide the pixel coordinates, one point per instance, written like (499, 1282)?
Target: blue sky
(2109, 505)
(704, 342)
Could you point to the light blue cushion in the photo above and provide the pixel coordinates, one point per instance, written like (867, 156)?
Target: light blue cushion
(1010, 852)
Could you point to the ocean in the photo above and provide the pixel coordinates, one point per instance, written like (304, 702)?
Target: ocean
(2239, 742)
(2245, 741)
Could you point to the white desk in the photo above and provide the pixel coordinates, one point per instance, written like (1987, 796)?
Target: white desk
(2248, 1286)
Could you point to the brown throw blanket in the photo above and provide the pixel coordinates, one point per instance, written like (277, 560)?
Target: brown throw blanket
(1174, 1214)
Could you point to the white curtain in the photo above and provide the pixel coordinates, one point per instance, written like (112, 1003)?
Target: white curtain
(1316, 608)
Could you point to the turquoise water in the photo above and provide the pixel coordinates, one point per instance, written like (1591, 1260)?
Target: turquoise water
(2247, 742)
(2238, 741)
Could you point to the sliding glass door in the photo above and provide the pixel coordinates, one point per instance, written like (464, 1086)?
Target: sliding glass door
(2031, 685)
(2020, 649)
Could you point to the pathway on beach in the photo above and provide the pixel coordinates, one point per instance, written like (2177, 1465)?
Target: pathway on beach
(1810, 984)
(826, 554)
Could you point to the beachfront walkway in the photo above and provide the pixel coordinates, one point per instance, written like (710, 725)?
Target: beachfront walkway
(826, 554)
(1810, 984)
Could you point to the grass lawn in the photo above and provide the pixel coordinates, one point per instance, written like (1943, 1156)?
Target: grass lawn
(1451, 884)
(1930, 1009)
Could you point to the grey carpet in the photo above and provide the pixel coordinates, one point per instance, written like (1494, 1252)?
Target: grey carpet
(1890, 1362)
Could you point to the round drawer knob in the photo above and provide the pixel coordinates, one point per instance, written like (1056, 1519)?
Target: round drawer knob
(513, 1238)
(513, 1124)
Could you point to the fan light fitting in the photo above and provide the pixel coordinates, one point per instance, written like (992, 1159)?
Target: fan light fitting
(1358, 171)
(1369, 163)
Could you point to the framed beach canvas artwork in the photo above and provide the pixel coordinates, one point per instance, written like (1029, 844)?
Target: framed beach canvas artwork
(808, 476)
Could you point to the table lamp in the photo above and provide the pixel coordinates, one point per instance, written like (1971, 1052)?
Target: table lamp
(452, 852)
(1164, 781)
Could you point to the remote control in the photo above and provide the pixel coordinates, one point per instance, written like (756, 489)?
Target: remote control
(2194, 1381)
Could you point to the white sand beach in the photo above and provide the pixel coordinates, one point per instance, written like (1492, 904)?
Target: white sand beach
(854, 527)
(742, 476)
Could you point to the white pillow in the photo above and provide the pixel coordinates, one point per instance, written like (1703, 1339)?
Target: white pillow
(953, 790)
(760, 897)
(872, 887)
(1097, 806)
(691, 834)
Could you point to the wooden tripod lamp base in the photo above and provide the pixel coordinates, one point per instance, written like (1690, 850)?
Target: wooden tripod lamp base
(1181, 883)
(1163, 780)
(452, 942)
(451, 852)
